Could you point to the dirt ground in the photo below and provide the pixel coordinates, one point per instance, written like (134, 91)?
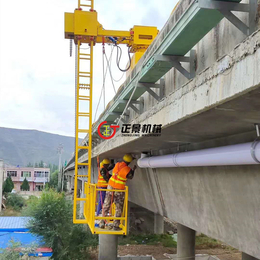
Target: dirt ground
(222, 254)
(158, 251)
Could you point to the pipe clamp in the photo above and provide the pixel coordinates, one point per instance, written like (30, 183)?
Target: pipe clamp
(253, 146)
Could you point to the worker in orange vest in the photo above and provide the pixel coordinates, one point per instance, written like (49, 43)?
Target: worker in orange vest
(121, 173)
(103, 178)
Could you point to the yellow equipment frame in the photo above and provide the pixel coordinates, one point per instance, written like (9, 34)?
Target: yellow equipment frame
(84, 84)
(91, 191)
(83, 27)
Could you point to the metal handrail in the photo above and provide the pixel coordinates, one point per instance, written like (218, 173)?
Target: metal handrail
(91, 191)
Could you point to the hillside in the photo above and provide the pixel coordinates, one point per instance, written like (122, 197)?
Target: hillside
(19, 147)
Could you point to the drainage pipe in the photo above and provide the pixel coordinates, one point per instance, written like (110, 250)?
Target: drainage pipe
(239, 154)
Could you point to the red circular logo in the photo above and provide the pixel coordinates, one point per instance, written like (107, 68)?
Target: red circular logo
(106, 134)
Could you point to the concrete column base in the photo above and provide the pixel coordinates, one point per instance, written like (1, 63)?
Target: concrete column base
(82, 195)
(158, 224)
(186, 242)
(248, 257)
(108, 247)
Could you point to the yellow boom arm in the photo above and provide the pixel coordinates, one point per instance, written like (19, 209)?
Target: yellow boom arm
(84, 26)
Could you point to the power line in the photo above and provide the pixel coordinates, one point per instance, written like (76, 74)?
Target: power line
(136, 84)
(120, 118)
(116, 80)
(110, 72)
(102, 87)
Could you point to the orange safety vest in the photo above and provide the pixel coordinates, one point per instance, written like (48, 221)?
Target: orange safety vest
(118, 179)
(101, 181)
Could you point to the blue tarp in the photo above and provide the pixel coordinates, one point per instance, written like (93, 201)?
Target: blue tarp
(24, 238)
(16, 229)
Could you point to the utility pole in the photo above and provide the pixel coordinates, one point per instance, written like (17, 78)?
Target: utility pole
(62, 178)
(1, 182)
(60, 151)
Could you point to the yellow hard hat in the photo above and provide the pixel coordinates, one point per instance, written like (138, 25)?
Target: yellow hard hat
(128, 158)
(106, 161)
(101, 164)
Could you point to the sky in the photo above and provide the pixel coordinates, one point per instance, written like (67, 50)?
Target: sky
(37, 75)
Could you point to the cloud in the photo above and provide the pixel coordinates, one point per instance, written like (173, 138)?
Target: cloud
(37, 80)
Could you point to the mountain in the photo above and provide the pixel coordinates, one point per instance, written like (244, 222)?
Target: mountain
(19, 147)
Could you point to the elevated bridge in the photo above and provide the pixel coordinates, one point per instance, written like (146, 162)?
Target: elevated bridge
(200, 80)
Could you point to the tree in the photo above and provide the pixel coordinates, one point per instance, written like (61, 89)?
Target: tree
(41, 164)
(8, 184)
(52, 219)
(54, 180)
(25, 185)
(53, 167)
(29, 165)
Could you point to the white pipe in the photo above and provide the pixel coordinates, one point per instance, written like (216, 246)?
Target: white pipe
(239, 154)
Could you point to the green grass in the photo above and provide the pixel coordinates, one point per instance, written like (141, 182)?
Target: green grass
(150, 239)
(10, 211)
(203, 241)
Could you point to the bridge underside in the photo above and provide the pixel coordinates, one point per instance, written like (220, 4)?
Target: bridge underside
(221, 101)
(237, 116)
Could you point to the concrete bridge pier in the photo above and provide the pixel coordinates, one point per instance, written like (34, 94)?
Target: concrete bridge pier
(108, 247)
(82, 195)
(158, 224)
(248, 257)
(186, 243)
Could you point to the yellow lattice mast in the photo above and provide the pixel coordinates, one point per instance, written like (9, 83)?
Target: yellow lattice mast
(83, 27)
(84, 89)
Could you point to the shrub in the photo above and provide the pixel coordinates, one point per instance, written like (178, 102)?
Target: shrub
(54, 180)
(52, 219)
(15, 201)
(15, 250)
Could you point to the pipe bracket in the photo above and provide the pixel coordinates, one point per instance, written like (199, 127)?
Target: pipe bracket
(175, 160)
(253, 146)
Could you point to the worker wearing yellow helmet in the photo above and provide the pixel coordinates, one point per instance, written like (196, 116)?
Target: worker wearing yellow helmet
(121, 173)
(103, 178)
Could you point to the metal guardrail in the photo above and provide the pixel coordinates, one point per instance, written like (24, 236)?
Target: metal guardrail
(90, 204)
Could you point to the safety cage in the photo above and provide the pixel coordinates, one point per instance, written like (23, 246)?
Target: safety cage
(90, 208)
